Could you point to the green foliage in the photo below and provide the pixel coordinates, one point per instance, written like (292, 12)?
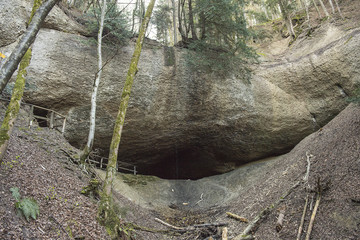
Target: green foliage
(355, 98)
(15, 193)
(162, 21)
(52, 195)
(259, 16)
(25, 207)
(221, 44)
(115, 24)
(92, 189)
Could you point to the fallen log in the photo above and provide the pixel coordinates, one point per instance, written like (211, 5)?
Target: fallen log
(237, 217)
(192, 227)
(224, 233)
(247, 233)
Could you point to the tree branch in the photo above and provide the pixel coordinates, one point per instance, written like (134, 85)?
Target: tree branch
(9, 67)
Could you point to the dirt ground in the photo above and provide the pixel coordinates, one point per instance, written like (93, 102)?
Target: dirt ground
(36, 165)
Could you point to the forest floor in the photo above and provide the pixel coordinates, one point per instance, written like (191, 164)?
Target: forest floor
(36, 164)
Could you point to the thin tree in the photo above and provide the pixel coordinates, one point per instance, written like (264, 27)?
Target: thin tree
(174, 21)
(332, 6)
(105, 209)
(15, 102)
(338, 8)
(317, 9)
(10, 65)
(87, 149)
(324, 8)
(287, 18)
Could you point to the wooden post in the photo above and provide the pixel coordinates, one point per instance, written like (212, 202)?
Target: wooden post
(135, 170)
(101, 161)
(31, 117)
(63, 127)
(51, 120)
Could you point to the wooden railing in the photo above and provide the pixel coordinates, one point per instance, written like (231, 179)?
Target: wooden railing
(101, 163)
(53, 119)
(57, 121)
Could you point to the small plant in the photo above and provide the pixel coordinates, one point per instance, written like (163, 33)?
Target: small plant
(52, 194)
(11, 164)
(91, 190)
(26, 207)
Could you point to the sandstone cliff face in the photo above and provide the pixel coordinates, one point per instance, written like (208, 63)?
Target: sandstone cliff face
(181, 121)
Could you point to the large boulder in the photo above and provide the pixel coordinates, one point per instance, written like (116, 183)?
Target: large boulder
(179, 120)
(187, 124)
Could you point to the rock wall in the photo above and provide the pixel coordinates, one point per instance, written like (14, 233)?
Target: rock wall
(185, 124)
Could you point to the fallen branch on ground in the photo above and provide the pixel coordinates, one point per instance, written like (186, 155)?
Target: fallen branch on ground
(247, 233)
(153, 230)
(237, 217)
(192, 227)
(60, 226)
(306, 177)
(74, 159)
(279, 223)
(317, 203)
(224, 234)
(302, 219)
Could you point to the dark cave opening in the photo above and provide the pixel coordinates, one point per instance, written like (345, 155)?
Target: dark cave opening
(187, 163)
(41, 116)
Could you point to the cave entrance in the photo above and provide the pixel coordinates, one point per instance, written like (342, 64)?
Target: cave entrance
(41, 116)
(188, 163)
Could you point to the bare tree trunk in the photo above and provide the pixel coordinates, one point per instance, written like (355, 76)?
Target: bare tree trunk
(338, 8)
(332, 6)
(18, 91)
(133, 17)
(306, 10)
(174, 21)
(317, 9)
(324, 8)
(10, 65)
(86, 151)
(287, 19)
(106, 196)
(191, 22)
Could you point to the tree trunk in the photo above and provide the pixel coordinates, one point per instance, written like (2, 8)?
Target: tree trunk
(86, 151)
(191, 22)
(174, 21)
(15, 102)
(317, 9)
(332, 6)
(324, 8)
(9, 67)
(304, 3)
(106, 196)
(338, 8)
(287, 19)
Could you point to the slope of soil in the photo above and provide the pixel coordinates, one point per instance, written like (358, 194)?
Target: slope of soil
(35, 164)
(257, 186)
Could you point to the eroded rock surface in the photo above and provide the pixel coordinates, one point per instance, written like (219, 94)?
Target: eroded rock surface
(185, 124)
(15, 16)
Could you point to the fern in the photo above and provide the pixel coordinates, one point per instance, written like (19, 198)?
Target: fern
(26, 206)
(15, 193)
